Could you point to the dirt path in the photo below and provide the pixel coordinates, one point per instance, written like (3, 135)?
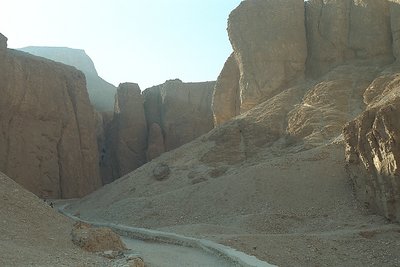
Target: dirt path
(165, 255)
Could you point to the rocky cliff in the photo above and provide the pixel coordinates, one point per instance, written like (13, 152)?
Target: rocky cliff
(101, 93)
(270, 49)
(335, 33)
(146, 125)
(47, 140)
(339, 31)
(347, 45)
(182, 110)
(129, 130)
(372, 147)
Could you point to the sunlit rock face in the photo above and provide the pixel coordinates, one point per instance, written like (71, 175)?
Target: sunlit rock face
(373, 150)
(270, 50)
(226, 98)
(352, 52)
(269, 42)
(47, 126)
(101, 93)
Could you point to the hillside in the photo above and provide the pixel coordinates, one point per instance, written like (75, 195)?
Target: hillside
(34, 234)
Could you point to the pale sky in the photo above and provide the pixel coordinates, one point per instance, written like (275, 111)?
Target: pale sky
(140, 41)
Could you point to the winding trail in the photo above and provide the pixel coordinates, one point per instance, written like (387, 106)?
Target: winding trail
(161, 249)
(167, 255)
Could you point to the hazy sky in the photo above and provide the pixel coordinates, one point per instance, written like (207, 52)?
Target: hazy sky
(139, 41)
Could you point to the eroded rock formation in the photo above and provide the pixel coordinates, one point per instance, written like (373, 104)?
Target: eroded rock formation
(372, 148)
(47, 128)
(226, 97)
(172, 114)
(182, 110)
(129, 130)
(270, 48)
(339, 31)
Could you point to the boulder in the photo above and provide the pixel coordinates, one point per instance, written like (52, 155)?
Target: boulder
(270, 48)
(161, 171)
(373, 151)
(339, 31)
(47, 125)
(97, 239)
(226, 97)
(129, 129)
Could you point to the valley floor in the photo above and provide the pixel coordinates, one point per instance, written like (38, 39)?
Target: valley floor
(292, 210)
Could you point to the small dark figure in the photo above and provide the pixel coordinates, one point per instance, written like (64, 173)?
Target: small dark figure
(51, 204)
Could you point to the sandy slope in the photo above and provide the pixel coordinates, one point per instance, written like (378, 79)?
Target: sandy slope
(291, 210)
(33, 234)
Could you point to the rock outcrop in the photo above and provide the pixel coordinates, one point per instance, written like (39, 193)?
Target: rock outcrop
(101, 93)
(129, 130)
(226, 98)
(373, 150)
(181, 110)
(339, 31)
(47, 126)
(146, 125)
(270, 48)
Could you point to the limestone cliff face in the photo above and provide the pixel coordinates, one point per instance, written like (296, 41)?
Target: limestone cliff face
(47, 136)
(339, 31)
(129, 130)
(101, 93)
(350, 69)
(146, 125)
(226, 97)
(372, 148)
(270, 47)
(181, 110)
